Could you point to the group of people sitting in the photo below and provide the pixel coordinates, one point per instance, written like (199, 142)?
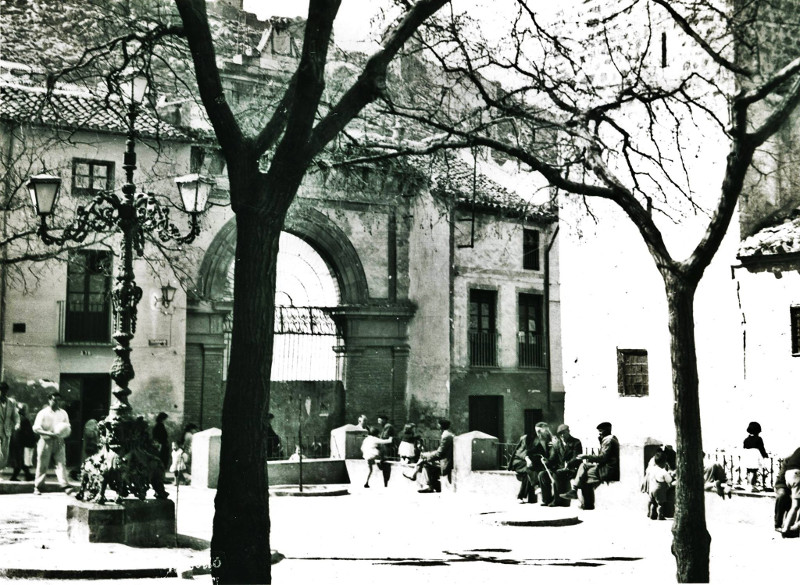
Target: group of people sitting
(557, 465)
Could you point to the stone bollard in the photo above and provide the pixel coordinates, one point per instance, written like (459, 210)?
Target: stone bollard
(205, 458)
(346, 442)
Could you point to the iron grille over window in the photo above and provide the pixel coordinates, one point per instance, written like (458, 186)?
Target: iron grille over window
(91, 176)
(530, 249)
(482, 328)
(632, 377)
(530, 334)
(88, 314)
(794, 313)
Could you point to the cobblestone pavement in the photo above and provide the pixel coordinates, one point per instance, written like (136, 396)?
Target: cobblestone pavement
(404, 537)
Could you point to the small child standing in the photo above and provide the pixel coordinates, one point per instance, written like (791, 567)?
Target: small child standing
(659, 479)
(178, 466)
(753, 453)
(370, 451)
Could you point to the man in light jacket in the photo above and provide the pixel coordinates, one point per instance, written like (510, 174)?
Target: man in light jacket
(52, 426)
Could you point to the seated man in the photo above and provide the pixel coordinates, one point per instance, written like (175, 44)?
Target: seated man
(595, 469)
(435, 464)
(715, 479)
(565, 459)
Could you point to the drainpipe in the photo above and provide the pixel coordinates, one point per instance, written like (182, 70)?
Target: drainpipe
(547, 313)
(9, 159)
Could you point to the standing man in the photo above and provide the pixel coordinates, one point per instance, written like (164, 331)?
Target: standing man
(386, 449)
(566, 452)
(52, 426)
(595, 469)
(9, 422)
(435, 464)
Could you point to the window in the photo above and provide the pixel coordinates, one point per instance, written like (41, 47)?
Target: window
(530, 249)
(482, 331)
(88, 314)
(632, 372)
(530, 334)
(794, 314)
(91, 176)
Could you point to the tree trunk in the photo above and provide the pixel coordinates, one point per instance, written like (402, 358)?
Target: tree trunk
(691, 541)
(240, 546)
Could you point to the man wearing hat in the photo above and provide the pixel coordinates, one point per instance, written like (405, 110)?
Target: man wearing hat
(9, 422)
(566, 452)
(595, 469)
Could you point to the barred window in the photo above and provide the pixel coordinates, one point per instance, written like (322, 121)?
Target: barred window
(482, 331)
(632, 377)
(88, 317)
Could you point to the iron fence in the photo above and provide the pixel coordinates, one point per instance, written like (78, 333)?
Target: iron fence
(314, 447)
(732, 463)
(483, 348)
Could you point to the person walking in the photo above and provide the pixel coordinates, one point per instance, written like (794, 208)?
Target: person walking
(52, 426)
(9, 422)
(370, 450)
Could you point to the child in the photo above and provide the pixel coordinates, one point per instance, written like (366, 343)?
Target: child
(370, 451)
(658, 481)
(408, 444)
(178, 466)
(753, 452)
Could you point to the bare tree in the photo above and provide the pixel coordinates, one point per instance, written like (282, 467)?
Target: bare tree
(596, 105)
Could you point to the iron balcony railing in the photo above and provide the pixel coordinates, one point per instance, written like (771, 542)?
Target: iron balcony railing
(531, 350)
(483, 348)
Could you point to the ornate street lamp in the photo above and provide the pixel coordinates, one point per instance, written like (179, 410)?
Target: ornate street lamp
(133, 215)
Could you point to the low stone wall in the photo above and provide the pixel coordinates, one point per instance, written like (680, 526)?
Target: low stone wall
(315, 471)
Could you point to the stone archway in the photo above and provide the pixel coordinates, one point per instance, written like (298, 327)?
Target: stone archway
(210, 305)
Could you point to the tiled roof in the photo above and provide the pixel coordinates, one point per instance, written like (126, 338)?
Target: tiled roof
(453, 176)
(77, 111)
(778, 239)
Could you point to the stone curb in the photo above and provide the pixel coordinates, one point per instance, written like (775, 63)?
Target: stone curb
(152, 573)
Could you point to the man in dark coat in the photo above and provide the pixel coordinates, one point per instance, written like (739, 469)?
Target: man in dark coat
(595, 469)
(274, 450)
(435, 464)
(564, 461)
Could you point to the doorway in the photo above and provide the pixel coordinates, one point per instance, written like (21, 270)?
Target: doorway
(532, 416)
(85, 396)
(486, 415)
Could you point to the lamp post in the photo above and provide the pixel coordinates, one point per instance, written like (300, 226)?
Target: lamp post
(133, 215)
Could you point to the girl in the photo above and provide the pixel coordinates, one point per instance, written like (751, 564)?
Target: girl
(753, 453)
(370, 451)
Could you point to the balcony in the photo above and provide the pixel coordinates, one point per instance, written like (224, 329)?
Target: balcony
(93, 329)
(531, 350)
(483, 349)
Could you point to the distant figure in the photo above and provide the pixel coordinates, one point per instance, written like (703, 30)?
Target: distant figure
(188, 432)
(753, 453)
(595, 469)
(295, 457)
(274, 449)
(387, 450)
(370, 449)
(23, 439)
(362, 422)
(436, 464)
(659, 479)
(52, 426)
(161, 438)
(409, 444)
(9, 422)
(179, 463)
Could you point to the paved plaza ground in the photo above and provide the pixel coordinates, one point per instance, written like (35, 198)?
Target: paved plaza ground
(400, 536)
